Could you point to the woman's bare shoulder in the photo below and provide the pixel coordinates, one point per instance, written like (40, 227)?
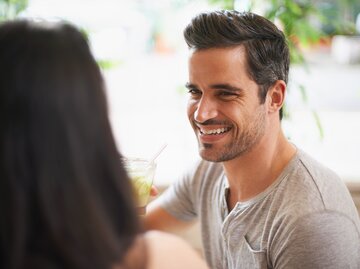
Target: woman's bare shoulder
(169, 251)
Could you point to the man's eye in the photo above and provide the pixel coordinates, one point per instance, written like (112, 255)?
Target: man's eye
(227, 95)
(194, 92)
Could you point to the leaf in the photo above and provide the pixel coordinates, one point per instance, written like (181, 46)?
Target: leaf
(9, 9)
(293, 7)
(303, 93)
(318, 124)
(106, 64)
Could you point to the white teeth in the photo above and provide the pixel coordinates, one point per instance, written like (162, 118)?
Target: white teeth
(214, 131)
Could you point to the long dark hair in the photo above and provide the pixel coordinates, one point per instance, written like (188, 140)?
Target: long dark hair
(65, 198)
(268, 57)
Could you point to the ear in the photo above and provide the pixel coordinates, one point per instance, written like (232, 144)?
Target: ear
(276, 96)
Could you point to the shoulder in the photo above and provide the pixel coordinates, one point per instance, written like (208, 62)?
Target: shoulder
(169, 251)
(315, 169)
(328, 226)
(324, 239)
(316, 187)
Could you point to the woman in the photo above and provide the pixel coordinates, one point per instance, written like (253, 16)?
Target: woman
(65, 198)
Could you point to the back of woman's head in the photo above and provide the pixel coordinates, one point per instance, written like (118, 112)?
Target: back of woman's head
(65, 199)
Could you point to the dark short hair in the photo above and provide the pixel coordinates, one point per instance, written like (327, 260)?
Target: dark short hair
(65, 198)
(265, 45)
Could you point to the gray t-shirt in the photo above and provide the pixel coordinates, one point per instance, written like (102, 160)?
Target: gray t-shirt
(305, 219)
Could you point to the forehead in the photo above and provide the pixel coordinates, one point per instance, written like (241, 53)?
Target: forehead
(219, 63)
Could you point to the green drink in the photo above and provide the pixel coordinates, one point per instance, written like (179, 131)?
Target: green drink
(141, 172)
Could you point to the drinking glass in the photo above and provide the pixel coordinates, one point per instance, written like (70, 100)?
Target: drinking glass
(141, 172)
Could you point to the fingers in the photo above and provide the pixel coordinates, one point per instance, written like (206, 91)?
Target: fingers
(154, 191)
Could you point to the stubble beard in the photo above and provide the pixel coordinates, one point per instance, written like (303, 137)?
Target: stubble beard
(245, 141)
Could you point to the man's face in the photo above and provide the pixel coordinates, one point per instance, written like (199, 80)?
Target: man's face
(224, 108)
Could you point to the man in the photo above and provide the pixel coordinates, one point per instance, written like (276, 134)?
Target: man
(262, 202)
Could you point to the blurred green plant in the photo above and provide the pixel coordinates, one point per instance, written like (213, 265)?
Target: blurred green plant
(295, 17)
(340, 16)
(107, 64)
(9, 9)
(302, 22)
(297, 21)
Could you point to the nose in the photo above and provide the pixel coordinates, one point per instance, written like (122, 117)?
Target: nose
(205, 109)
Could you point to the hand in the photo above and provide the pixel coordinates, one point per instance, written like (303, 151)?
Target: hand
(153, 191)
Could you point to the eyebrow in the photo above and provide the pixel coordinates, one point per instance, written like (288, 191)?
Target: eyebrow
(190, 86)
(225, 86)
(221, 86)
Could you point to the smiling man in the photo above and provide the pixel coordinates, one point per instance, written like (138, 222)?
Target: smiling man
(261, 201)
(224, 105)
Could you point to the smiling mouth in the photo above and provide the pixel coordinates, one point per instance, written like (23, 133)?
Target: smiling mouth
(217, 131)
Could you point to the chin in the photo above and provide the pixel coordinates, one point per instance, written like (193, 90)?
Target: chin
(209, 156)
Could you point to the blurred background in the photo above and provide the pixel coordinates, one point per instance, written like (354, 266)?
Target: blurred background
(140, 48)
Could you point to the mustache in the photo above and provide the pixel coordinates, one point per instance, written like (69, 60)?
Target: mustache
(212, 122)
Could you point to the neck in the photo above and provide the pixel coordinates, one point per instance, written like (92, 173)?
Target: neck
(252, 173)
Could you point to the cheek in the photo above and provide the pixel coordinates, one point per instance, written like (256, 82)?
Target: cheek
(191, 108)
